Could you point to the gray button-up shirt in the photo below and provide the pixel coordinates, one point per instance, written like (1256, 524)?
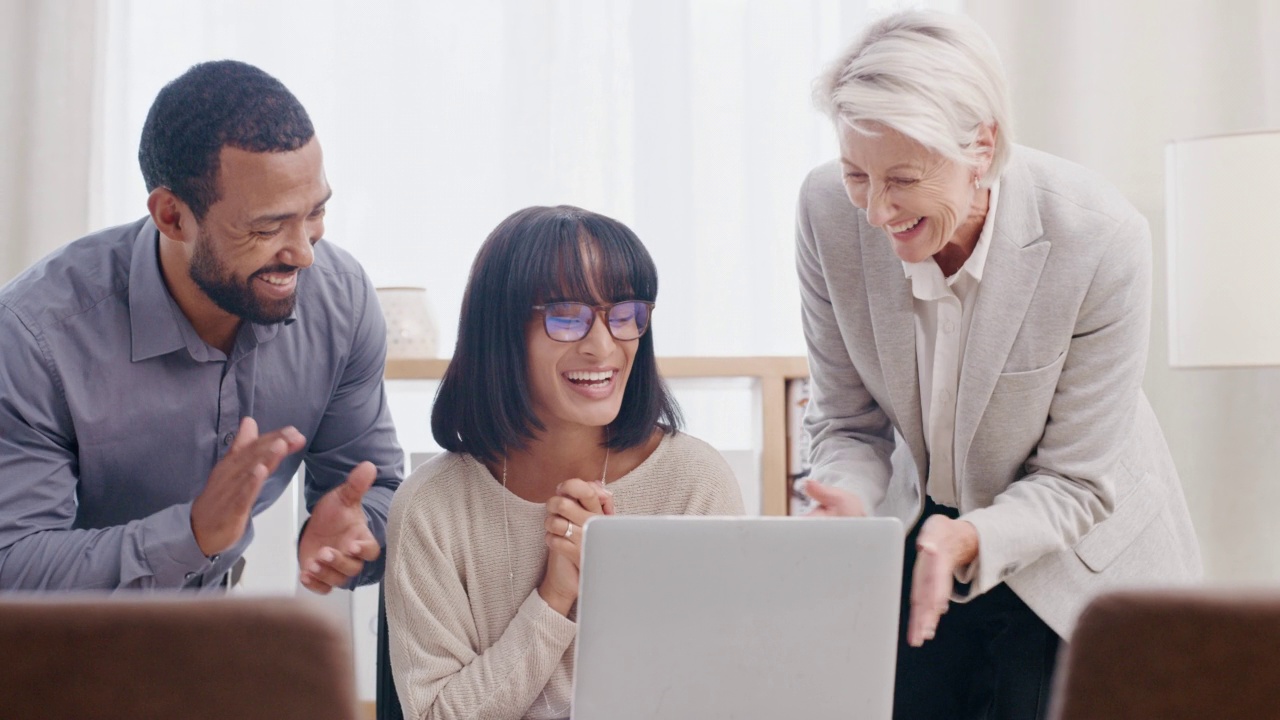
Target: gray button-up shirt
(113, 412)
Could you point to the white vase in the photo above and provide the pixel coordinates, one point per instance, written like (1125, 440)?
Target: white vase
(411, 327)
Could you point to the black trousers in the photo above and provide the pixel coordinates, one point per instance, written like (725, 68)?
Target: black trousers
(991, 659)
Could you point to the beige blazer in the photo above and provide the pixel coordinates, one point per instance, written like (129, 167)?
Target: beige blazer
(1061, 467)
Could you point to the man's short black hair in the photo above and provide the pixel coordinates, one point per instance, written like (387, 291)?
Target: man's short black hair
(539, 255)
(213, 104)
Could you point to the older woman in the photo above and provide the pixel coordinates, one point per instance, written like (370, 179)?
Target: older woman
(977, 317)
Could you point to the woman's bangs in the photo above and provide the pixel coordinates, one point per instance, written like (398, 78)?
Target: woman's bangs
(622, 267)
(594, 270)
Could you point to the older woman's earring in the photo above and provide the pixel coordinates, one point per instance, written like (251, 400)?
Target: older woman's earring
(976, 185)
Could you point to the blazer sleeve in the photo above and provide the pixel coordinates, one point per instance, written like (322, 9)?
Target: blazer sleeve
(851, 437)
(1069, 483)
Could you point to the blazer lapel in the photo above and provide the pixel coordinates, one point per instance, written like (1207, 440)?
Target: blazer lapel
(893, 321)
(1009, 280)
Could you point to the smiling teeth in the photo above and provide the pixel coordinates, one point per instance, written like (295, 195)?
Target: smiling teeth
(585, 376)
(282, 281)
(904, 226)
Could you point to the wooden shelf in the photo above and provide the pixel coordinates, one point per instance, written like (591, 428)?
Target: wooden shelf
(772, 372)
(416, 369)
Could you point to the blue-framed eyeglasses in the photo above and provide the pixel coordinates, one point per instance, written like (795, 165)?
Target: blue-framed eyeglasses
(571, 321)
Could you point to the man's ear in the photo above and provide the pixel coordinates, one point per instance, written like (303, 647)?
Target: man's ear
(169, 213)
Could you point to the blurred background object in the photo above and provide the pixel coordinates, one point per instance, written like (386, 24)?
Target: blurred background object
(1223, 250)
(412, 332)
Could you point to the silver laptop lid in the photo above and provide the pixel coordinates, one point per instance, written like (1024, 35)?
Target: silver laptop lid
(690, 617)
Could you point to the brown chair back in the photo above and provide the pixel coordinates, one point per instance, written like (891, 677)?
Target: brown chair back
(1173, 655)
(196, 659)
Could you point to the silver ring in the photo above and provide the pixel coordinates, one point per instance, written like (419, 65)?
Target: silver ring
(568, 532)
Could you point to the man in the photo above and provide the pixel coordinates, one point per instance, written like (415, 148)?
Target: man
(140, 363)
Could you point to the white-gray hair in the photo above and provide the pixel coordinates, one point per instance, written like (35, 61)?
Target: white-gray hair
(932, 76)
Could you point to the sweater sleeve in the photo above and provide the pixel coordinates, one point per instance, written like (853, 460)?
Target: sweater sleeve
(434, 639)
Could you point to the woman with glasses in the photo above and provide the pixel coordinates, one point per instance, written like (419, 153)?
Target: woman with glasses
(977, 316)
(552, 412)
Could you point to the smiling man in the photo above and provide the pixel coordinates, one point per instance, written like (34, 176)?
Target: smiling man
(162, 381)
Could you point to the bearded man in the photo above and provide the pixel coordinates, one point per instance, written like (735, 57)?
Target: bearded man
(161, 382)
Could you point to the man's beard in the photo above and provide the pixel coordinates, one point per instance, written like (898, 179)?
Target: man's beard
(233, 295)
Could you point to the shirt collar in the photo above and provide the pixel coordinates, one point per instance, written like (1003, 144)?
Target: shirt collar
(158, 326)
(153, 314)
(927, 282)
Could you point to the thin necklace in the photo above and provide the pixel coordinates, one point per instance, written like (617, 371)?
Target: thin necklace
(511, 573)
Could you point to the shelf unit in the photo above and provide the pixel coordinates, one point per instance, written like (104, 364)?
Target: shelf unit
(771, 372)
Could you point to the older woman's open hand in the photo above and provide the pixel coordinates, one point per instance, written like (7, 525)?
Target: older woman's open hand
(832, 501)
(942, 546)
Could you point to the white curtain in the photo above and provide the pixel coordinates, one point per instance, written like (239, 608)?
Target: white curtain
(1107, 84)
(689, 120)
(49, 110)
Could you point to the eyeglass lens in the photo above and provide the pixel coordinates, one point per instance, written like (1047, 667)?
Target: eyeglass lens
(571, 321)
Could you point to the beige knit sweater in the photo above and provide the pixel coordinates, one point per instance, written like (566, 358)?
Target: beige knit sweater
(466, 641)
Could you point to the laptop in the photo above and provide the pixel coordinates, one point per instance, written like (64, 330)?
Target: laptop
(716, 617)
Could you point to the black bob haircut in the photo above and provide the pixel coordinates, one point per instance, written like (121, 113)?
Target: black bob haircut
(213, 104)
(539, 255)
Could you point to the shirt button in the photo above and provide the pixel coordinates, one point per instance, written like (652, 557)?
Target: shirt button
(226, 439)
(945, 396)
(948, 327)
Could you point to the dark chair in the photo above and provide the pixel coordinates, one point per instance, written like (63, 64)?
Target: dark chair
(1173, 655)
(196, 659)
(387, 700)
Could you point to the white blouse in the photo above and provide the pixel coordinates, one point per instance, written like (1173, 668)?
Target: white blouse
(943, 312)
